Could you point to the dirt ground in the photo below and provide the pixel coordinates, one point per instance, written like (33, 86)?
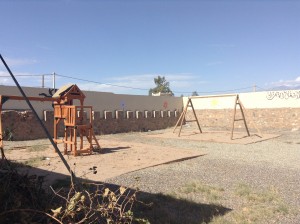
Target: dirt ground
(255, 179)
(117, 156)
(216, 136)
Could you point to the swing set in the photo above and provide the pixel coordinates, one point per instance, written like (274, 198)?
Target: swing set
(237, 103)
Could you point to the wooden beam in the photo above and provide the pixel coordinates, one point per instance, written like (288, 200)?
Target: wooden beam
(31, 98)
(212, 96)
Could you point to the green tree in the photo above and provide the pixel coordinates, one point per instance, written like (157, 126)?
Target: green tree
(161, 86)
(195, 93)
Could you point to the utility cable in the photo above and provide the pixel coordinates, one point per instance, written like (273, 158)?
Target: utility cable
(108, 84)
(26, 75)
(129, 87)
(137, 88)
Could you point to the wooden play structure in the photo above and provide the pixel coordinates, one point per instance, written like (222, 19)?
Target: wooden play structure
(189, 104)
(72, 117)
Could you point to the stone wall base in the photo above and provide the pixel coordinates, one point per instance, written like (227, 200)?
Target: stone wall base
(267, 120)
(22, 125)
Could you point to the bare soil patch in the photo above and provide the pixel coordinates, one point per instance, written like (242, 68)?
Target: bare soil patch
(118, 157)
(217, 136)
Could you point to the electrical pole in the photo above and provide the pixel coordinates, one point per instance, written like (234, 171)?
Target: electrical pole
(43, 81)
(53, 80)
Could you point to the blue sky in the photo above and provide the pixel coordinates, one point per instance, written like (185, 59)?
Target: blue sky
(204, 46)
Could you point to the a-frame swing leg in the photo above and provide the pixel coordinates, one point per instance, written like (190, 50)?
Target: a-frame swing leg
(196, 119)
(182, 117)
(238, 102)
(243, 115)
(255, 126)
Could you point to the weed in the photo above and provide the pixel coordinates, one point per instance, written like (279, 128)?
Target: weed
(268, 196)
(34, 161)
(210, 193)
(36, 148)
(258, 207)
(25, 201)
(8, 134)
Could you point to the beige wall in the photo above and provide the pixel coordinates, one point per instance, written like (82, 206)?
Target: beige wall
(263, 100)
(108, 101)
(21, 104)
(99, 100)
(103, 101)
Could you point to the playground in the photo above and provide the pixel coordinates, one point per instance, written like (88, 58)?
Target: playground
(120, 156)
(251, 176)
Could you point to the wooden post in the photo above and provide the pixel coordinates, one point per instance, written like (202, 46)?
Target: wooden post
(238, 102)
(81, 138)
(179, 120)
(182, 116)
(75, 142)
(243, 115)
(1, 135)
(65, 142)
(196, 119)
(233, 118)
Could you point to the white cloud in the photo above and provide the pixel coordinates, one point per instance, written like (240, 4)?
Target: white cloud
(5, 78)
(17, 62)
(24, 79)
(3, 73)
(287, 83)
(132, 84)
(140, 84)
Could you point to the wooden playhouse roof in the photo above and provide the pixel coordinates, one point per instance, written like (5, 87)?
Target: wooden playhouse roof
(69, 90)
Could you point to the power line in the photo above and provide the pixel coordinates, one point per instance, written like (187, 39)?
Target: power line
(129, 87)
(26, 75)
(108, 84)
(136, 88)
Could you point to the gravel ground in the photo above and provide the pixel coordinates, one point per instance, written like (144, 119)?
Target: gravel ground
(274, 162)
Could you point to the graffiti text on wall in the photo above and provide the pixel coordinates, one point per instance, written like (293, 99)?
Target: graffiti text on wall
(289, 94)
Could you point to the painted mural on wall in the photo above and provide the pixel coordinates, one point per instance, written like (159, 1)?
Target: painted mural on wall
(285, 95)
